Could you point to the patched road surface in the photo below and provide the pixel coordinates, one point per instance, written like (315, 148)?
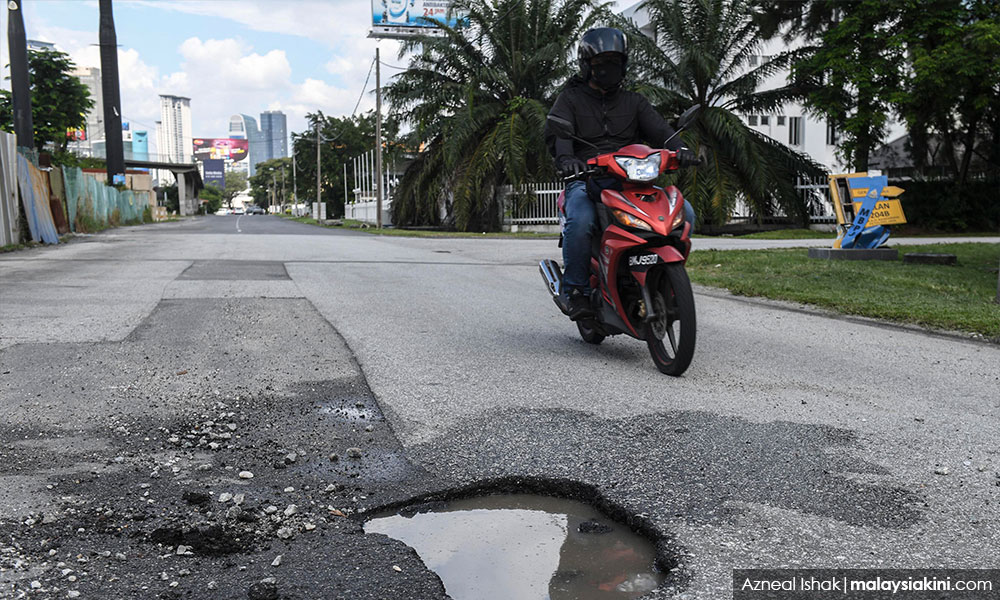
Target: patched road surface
(208, 408)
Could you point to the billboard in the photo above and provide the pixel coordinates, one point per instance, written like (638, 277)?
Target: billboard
(215, 172)
(399, 18)
(220, 148)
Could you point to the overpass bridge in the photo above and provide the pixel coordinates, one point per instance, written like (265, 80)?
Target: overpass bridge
(186, 174)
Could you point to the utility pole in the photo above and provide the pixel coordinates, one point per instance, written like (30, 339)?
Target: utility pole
(19, 84)
(378, 140)
(112, 95)
(318, 193)
(295, 185)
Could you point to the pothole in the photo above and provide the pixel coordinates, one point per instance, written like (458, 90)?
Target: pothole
(525, 546)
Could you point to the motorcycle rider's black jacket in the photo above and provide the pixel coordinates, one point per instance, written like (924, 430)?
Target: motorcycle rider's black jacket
(609, 121)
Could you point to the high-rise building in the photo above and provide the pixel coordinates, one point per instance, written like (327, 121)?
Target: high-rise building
(273, 127)
(94, 128)
(40, 46)
(244, 127)
(173, 132)
(140, 145)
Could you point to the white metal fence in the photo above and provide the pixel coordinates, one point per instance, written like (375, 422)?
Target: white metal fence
(543, 210)
(363, 207)
(540, 210)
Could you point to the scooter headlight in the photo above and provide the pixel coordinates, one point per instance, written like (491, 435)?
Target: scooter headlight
(626, 219)
(640, 169)
(678, 220)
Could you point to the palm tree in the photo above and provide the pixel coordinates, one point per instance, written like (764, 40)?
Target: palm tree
(477, 97)
(702, 55)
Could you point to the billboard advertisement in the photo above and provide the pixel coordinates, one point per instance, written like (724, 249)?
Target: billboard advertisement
(396, 16)
(215, 173)
(220, 148)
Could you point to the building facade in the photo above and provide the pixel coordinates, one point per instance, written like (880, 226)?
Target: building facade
(94, 128)
(173, 131)
(273, 127)
(244, 127)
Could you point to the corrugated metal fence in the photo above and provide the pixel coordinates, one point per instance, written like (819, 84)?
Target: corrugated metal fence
(58, 200)
(9, 231)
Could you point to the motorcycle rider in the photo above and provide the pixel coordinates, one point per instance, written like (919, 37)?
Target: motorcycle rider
(608, 118)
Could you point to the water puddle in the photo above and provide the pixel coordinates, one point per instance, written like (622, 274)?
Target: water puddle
(525, 547)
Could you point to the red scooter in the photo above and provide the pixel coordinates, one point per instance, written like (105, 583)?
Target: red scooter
(637, 277)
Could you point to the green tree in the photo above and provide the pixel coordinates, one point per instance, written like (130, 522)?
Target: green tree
(342, 139)
(702, 55)
(212, 197)
(271, 185)
(236, 183)
(171, 198)
(477, 97)
(849, 76)
(59, 101)
(951, 92)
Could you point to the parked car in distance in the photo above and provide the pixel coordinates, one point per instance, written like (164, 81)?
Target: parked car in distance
(238, 211)
(255, 210)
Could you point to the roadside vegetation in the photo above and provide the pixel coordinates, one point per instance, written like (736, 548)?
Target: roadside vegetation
(422, 233)
(959, 297)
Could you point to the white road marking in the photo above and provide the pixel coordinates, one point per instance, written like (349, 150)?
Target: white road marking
(238, 230)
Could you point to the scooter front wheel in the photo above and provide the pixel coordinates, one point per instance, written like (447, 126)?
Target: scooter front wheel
(671, 335)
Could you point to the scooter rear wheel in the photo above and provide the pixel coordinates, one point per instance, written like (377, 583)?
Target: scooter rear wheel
(671, 337)
(589, 332)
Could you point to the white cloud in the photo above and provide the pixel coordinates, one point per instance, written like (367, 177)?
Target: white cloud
(226, 76)
(224, 63)
(325, 21)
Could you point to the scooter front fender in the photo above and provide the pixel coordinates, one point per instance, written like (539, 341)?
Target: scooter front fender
(666, 254)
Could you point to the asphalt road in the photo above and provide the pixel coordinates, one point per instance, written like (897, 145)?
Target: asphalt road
(794, 440)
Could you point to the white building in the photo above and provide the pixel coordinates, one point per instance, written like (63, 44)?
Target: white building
(173, 132)
(94, 128)
(792, 125)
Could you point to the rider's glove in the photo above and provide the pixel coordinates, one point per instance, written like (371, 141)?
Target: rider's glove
(569, 165)
(687, 158)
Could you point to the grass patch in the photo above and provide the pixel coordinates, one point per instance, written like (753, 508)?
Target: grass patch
(957, 297)
(421, 233)
(789, 234)
(15, 247)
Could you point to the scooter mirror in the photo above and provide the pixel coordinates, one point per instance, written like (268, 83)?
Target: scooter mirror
(687, 117)
(562, 127)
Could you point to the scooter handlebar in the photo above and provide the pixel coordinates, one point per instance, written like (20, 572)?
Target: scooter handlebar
(583, 174)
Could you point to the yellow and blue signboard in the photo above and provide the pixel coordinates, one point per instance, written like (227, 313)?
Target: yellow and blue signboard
(865, 206)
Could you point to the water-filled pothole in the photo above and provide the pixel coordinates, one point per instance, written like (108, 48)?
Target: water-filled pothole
(523, 546)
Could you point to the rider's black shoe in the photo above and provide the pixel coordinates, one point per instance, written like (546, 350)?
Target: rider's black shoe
(575, 304)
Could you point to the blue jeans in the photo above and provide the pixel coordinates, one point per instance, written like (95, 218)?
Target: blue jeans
(581, 216)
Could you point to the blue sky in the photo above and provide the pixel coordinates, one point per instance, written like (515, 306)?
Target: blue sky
(228, 56)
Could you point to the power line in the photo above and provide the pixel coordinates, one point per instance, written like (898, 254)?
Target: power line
(363, 88)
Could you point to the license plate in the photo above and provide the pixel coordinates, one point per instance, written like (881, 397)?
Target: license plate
(644, 260)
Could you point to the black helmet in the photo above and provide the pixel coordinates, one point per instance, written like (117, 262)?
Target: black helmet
(598, 41)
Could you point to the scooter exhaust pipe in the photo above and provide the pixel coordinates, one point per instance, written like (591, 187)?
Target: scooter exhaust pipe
(552, 275)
